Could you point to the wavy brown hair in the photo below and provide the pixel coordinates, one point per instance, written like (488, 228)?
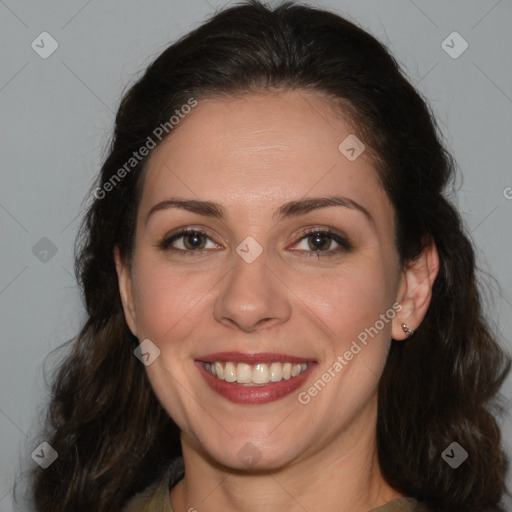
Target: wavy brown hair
(112, 435)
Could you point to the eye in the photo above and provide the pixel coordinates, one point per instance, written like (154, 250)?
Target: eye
(188, 240)
(316, 242)
(320, 241)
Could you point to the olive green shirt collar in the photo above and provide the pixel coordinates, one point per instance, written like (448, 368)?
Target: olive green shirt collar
(156, 499)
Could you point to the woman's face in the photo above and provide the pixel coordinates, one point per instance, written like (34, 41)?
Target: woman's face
(262, 290)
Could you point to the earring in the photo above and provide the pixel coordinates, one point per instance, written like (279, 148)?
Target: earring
(406, 329)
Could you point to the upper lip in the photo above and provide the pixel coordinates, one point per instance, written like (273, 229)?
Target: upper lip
(252, 357)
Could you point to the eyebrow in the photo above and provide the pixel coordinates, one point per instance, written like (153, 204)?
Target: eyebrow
(289, 209)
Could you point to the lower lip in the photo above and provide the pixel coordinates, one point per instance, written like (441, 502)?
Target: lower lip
(254, 395)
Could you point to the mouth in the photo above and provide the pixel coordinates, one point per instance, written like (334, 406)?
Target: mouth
(254, 378)
(254, 375)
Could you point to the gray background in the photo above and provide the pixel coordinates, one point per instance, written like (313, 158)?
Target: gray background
(57, 114)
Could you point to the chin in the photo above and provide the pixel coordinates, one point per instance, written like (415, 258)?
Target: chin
(250, 458)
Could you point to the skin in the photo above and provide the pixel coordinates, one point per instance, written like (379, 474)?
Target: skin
(251, 155)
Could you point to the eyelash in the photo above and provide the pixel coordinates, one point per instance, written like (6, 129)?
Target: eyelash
(341, 240)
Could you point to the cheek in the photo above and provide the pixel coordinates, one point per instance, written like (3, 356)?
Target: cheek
(167, 303)
(348, 299)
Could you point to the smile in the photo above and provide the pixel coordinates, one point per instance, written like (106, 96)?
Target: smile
(255, 375)
(254, 379)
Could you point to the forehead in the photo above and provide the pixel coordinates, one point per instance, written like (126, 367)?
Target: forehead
(260, 150)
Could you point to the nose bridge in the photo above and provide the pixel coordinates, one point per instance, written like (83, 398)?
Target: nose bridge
(251, 294)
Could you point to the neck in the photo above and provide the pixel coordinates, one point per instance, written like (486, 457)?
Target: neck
(343, 476)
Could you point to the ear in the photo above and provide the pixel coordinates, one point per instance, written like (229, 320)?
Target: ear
(415, 290)
(124, 280)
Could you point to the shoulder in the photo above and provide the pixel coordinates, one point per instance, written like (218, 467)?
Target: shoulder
(144, 501)
(155, 498)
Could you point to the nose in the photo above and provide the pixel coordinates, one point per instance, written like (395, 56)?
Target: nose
(252, 297)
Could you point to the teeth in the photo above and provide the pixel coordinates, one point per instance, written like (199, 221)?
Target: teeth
(260, 374)
(287, 371)
(243, 373)
(219, 371)
(257, 374)
(230, 372)
(276, 372)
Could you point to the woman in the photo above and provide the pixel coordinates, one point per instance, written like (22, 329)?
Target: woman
(283, 311)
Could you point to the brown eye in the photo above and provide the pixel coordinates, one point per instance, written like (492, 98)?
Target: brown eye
(319, 242)
(194, 240)
(188, 241)
(323, 243)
